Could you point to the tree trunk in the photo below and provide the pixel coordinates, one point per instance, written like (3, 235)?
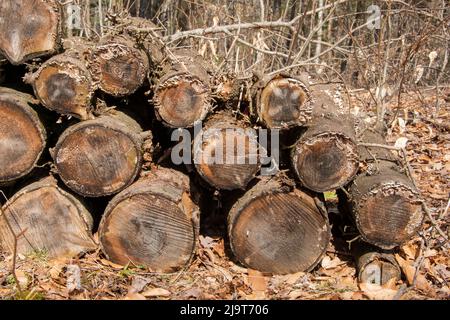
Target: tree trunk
(22, 135)
(226, 154)
(386, 206)
(118, 66)
(100, 157)
(63, 84)
(153, 222)
(182, 95)
(282, 102)
(28, 29)
(274, 228)
(326, 155)
(44, 217)
(373, 265)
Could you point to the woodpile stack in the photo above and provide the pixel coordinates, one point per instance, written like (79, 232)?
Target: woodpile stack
(276, 224)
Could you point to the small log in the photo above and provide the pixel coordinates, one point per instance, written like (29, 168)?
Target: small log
(28, 29)
(326, 155)
(373, 265)
(118, 67)
(44, 217)
(274, 228)
(153, 222)
(22, 135)
(282, 102)
(100, 157)
(385, 205)
(226, 154)
(182, 95)
(63, 84)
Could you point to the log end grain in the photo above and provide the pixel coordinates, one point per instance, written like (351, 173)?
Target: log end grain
(284, 103)
(326, 161)
(28, 29)
(278, 232)
(48, 219)
(153, 223)
(98, 157)
(22, 135)
(181, 100)
(118, 68)
(63, 84)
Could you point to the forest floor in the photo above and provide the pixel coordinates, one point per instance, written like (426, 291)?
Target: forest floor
(214, 275)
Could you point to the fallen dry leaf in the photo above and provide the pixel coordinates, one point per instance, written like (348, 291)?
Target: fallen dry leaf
(134, 296)
(410, 271)
(328, 263)
(257, 280)
(376, 292)
(111, 264)
(156, 292)
(22, 278)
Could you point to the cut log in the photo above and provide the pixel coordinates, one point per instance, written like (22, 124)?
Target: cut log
(226, 153)
(22, 135)
(326, 155)
(43, 217)
(373, 265)
(282, 102)
(63, 84)
(153, 222)
(28, 29)
(118, 66)
(279, 230)
(182, 95)
(385, 205)
(100, 157)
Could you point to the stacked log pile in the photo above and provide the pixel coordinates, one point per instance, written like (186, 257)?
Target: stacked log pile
(276, 224)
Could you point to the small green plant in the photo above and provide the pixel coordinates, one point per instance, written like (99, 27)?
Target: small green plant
(39, 254)
(126, 272)
(10, 280)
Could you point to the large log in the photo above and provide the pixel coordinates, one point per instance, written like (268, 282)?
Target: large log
(326, 155)
(28, 29)
(226, 153)
(386, 206)
(153, 222)
(102, 156)
(282, 102)
(182, 94)
(43, 217)
(118, 67)
(274, 228)
(22, 135)
(64, 84)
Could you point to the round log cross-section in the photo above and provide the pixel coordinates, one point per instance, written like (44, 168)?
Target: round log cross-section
(118, 67)
(326, 156)
(45, 218)
(28, 29)
(100, 157)
(63, 84)
(182, 95)
(284, 103)
(22, 135)
(226, 153)
(276, 230)
(153, 222)
(386, 206)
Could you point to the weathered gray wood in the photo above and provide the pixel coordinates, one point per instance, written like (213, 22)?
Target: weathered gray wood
(153, 222)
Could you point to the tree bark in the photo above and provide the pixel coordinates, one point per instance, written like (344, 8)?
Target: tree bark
(182, 94)
(226, 154)
(44, 217)
(28, 29)
(118, 67)
(22, 135)
(278, 229)
(64, 84)
(385, 205)
(326, 155)
(153, 222)
(102, 156)
(282, 102)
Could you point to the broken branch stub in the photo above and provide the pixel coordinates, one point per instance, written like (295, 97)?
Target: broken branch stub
(153, 222)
